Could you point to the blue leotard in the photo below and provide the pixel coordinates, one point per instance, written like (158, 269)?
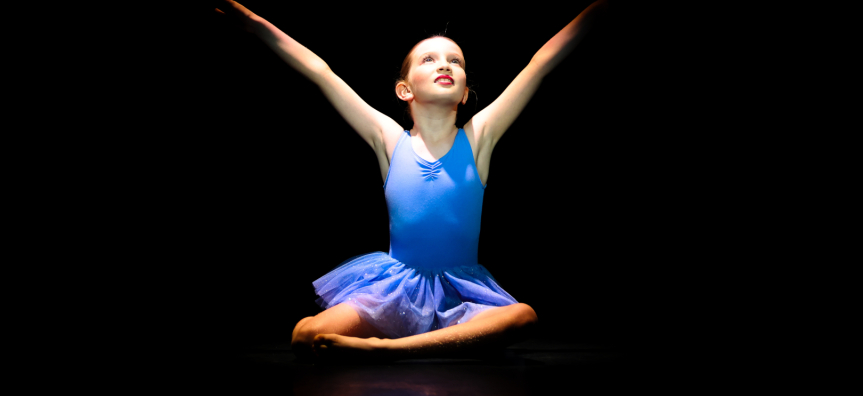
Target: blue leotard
(430, 279)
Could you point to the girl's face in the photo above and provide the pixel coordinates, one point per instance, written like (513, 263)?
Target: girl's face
(437, 72)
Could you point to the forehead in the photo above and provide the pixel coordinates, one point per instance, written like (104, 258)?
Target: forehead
(437, 44)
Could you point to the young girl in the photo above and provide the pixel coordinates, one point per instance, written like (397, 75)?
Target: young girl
(428, 296)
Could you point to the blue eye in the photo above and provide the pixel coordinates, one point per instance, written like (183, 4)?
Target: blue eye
(427, 58)
(456, 61)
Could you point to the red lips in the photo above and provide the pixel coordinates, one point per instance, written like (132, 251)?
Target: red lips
(452, 80)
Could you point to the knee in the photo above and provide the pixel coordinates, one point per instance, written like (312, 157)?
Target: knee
(302, 330)
(526, 315)
(301, 339)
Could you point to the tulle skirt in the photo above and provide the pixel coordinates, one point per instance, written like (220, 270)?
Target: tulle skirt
(400, 300)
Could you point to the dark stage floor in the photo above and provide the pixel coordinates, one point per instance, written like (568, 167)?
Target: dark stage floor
(532, 367)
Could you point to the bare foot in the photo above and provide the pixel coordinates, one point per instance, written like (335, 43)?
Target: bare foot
(334, 347)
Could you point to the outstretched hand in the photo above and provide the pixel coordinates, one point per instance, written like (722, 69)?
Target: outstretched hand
(237, 13)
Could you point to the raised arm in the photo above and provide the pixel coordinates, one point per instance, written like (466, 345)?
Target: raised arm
(367, 121)
(489, 124)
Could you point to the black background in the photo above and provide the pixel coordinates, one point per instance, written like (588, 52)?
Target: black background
(609, 208)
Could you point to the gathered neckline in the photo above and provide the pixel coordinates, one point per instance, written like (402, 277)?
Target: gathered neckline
(439, 159)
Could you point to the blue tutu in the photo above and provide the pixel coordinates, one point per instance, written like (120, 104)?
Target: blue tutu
(401, 300)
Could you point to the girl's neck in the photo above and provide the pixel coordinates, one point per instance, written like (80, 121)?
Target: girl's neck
(433, 123)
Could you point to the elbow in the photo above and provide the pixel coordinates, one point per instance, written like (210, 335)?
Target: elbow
(318, 67)
(538, 61)
(320, 74)
(540, 65)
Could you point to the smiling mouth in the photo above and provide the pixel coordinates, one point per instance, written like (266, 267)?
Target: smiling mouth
(444, 80)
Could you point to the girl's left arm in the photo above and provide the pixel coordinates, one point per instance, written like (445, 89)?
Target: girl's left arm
(490, 123)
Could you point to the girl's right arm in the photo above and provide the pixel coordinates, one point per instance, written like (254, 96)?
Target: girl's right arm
(373, 126)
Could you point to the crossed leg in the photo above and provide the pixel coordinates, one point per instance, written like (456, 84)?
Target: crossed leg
(341, 332)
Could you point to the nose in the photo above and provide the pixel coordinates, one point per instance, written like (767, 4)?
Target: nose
(445, 66)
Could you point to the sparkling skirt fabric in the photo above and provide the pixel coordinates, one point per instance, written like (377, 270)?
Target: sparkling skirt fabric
(400, 300)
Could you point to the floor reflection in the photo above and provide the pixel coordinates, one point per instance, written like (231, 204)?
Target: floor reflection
(532, 367)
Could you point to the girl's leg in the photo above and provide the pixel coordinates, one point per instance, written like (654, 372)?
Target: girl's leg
(341, 319)
(491, 329)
